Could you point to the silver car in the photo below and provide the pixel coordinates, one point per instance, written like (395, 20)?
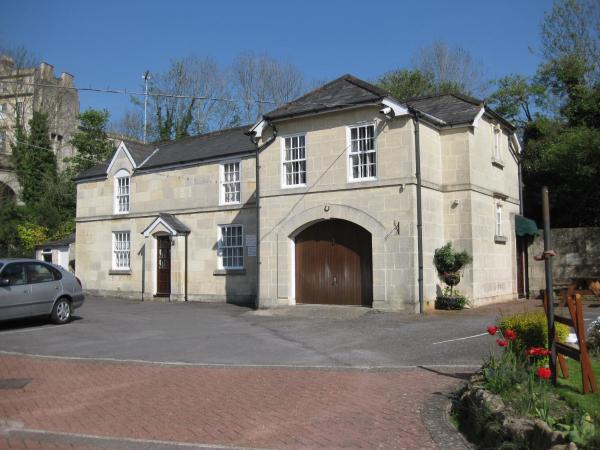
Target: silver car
(31, 288)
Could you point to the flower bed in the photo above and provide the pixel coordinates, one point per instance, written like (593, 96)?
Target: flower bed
(512, 402)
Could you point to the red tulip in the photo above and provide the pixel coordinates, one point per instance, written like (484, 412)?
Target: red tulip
(532, 351)
(510, 335)
(492, 330)
(543, 372)
(502, 342)
(544, 352)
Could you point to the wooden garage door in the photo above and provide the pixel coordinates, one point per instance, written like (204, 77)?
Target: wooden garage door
(333, 264)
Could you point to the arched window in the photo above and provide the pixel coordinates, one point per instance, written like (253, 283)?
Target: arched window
(122, 192)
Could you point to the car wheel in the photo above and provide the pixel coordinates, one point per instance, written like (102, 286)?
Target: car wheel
(61, 313)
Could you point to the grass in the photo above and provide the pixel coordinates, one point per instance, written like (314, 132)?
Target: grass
(571, 388)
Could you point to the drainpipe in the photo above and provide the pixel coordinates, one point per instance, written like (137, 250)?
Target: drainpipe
(415, 115)
(257, 200)
(185, 284)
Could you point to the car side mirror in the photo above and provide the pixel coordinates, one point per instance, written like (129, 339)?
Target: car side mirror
(4, 282)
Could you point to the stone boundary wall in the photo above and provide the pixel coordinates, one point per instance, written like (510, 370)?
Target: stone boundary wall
(577, 255)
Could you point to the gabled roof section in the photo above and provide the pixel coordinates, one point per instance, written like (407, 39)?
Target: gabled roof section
(170, 222)
(190, 150)
(135, 152)
(218, 144)
(343, 92)
(451, 108)
(455, 109)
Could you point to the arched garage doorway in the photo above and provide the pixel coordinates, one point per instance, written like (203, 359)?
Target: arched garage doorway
(333, 264)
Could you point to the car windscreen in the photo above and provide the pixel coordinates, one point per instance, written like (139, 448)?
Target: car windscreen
(1, 266)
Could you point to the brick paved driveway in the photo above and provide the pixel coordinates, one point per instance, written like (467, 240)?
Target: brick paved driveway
(144, 405)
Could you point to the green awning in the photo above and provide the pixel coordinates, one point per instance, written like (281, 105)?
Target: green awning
(525, 226)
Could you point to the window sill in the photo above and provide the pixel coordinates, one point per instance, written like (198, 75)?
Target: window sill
(500, 239)
(498, 163)
(119, 272)
(222, 272)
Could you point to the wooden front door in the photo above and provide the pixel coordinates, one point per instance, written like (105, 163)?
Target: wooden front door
(334, 265)
(163, 265)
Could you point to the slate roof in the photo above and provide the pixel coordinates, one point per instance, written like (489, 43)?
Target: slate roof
(58, 242)
(451, 108)
(348, 91)
(174, 223)
(342, 92)
(138, 151)
(221, 143)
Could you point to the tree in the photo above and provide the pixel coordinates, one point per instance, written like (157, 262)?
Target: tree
(263, 83)
(408, 83)
(91, 141)
(452, 67)
(572, 29)
(34, 158)
(517, 98)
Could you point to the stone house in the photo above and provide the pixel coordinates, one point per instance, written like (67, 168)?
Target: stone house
(24, 89)
(356, 190)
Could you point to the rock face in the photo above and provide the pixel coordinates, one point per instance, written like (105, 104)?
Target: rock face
(486, 420)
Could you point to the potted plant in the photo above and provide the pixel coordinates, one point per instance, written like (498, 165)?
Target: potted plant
(449, 264)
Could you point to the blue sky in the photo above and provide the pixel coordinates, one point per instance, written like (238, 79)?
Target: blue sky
(111, 43)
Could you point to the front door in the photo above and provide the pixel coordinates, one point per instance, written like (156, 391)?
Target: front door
(163, 265)
(334, 265)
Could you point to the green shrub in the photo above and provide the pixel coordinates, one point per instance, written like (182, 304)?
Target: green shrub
(532, 330)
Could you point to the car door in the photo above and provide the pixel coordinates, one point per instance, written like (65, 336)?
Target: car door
(44, 287)
(15, 298)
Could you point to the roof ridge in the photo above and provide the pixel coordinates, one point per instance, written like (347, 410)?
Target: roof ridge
(320, 88)
(366, 85)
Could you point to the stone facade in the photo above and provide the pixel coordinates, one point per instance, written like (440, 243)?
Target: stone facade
(192, 195)
(25, 89)
(461, 188)
(470, 196)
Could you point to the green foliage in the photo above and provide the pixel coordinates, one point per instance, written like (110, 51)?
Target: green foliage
(448, 260)
(34, 158)
(452, 300)
(593, 337)
(517, 97)
(407, 83)
(532, 330)
(48, 197)
(11, 215)
(91, 141)
(30, 235)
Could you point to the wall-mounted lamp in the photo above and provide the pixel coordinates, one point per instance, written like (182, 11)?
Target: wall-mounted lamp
(401, 189)
(455, 203)
(326, 208)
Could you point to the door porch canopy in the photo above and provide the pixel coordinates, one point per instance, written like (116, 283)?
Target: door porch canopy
(172, 224)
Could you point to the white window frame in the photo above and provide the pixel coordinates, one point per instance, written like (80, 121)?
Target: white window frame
(285, 162)
(222, 182)
(220, 246)
(123, 261)
(349, 152)
(119, 176)
(498, 228)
